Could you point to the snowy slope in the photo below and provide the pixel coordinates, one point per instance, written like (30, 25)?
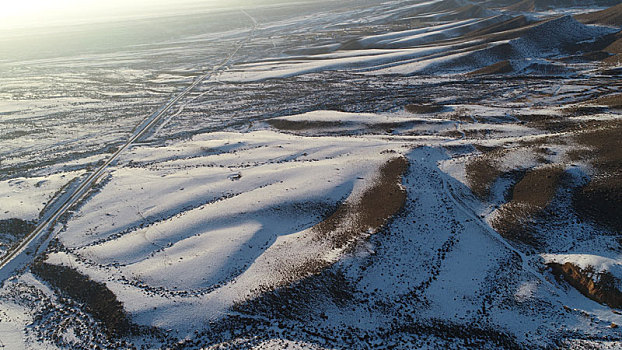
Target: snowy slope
(246, 217)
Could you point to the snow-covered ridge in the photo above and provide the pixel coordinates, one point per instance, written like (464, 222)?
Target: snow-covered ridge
(219, 221)
(410, 52)
(341, 183)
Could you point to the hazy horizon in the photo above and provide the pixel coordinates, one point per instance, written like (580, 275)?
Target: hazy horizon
(121, 26)
(37, 14)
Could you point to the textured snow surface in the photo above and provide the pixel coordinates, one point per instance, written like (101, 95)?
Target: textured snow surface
(24, 198)
(211, 219)
(13, 319)
(182, 233)
(214, 218)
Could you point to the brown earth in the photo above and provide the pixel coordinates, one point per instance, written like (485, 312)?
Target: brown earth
(351, 220)
(537, 188)
(552, 123)
(614, 60)
(614, 51)
(290, 125)
(443, 5)
(616, 46)
(591, 56)
(417, 108)
(338, 126)
(612, 101)
(98, 300)
(464, 12)
(611, 16)
(482, 171)
(525, 5)
(513, 23)
(530, 196)
(377, 205)
(502, 67)
(601, 199)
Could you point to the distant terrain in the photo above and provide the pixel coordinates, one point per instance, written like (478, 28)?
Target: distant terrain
(441, 174)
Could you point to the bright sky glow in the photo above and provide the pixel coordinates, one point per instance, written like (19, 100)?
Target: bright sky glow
(38, 13)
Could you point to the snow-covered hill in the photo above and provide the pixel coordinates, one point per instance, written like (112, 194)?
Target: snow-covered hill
(410, 174)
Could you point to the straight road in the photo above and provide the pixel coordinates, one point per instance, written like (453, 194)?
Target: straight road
(23, 253)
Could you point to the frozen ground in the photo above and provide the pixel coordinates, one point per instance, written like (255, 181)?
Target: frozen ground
(388, 174)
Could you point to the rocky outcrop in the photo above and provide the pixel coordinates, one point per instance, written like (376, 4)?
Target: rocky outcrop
(598, 286)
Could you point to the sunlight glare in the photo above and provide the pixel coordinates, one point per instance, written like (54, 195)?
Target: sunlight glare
(39, 13)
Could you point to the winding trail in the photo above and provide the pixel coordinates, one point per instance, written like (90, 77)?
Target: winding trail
(25, 252)
(465, 208)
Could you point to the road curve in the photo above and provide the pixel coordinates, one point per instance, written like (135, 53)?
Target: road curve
(20, 255)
